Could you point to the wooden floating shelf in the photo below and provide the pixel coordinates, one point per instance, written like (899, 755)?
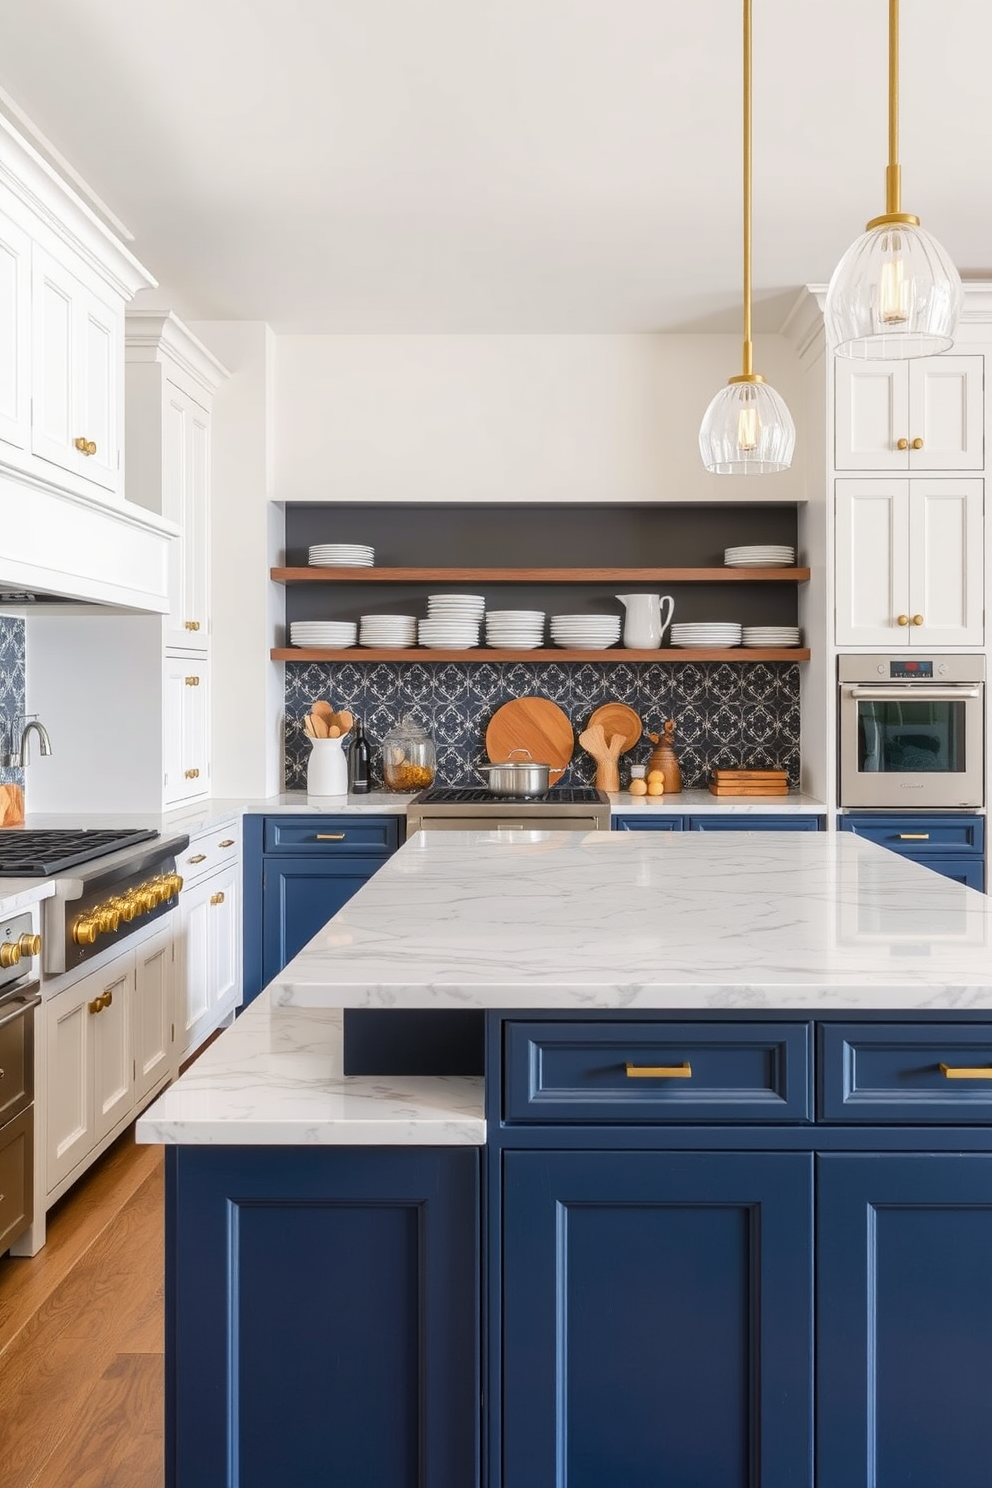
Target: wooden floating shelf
(484, 653)
(540, 575)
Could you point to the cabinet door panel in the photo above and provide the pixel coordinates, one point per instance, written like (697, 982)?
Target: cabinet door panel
(113, 1059)
(194, 910)
(153, 1012)
(904, 1307)
(657, 1319)
(224, 932)
(636, 823)
(68, 1106)
(871, 415)
(872, 579)
(174, 469)
(55, 296)
(946, 542)
(101, 345)
(947, 411)
(15, 346)
(745, 822)
(299, 897)
(196, 534)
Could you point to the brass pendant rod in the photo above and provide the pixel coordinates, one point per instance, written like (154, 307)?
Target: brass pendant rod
(893, 183)
(748, 360)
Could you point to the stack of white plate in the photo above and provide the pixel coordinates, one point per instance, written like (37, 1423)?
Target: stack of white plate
(335, 633)
(448, 635)
(515, 630)
(388, 632)
(585, 632)
(463, 609)
(771, 635)
(760, 555)
(341, 555)
(715, 633)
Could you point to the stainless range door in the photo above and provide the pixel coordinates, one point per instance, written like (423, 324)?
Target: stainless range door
(912, 731)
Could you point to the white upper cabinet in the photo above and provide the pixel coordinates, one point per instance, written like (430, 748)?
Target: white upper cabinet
(918, 415)
(910, 563)
(15, 343)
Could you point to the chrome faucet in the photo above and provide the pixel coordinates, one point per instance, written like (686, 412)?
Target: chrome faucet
(19, 755)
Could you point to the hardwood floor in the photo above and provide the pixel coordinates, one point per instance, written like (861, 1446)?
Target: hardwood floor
(81, 1365)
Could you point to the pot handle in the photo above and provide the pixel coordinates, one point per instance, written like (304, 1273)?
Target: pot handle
(519, 751)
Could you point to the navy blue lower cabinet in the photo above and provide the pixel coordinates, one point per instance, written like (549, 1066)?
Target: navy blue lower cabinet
(951, 843)
(659, 823)
(904, 1310)
(967, 871)
(322, 1317)
(657, 1320)
(298, 898)
(744, 822)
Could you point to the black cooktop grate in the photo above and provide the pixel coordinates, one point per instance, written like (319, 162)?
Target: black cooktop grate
(39, 853)
(452, 795)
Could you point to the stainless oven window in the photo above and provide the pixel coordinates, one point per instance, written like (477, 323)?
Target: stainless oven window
(900, 738)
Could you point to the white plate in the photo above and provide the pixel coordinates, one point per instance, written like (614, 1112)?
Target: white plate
(515, 615)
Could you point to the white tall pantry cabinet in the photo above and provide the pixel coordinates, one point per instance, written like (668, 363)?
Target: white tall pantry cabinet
(171, 379)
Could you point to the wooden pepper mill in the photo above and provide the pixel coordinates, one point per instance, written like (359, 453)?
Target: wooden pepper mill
(664, 758)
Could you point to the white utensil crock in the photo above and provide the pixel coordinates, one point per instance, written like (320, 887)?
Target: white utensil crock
(327, 768)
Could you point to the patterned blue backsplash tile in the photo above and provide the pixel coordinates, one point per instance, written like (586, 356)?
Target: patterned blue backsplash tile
(11, 688)
(726, 714)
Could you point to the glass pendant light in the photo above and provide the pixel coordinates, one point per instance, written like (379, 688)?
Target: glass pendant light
(895, 293)
(747, 429)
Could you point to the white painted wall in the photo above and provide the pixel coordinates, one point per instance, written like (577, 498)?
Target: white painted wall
(246, 540)
(513, 418)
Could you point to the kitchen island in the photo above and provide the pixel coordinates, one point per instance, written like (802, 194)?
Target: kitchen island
(692, 1045)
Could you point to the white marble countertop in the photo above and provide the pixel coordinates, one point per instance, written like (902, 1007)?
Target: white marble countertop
(277, 1081)
(703, 802)
(20, 893)
(810, 920)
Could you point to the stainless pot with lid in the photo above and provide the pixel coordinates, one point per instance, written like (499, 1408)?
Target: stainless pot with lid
(517, 777)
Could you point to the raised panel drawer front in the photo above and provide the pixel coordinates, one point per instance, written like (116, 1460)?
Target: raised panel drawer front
(651, 1072)
(921, 834)
(648, 823)
(331, 834)
(747, 823)
(936, 1073)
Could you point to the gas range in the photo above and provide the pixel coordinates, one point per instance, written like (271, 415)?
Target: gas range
(575, 808)
(110, 883)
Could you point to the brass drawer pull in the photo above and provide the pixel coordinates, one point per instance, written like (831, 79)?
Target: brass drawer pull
(228, 842)
(659, 1071)
(217, 898)
(103, 1001)
(962, 1072)
(197, 858)
(914, 836)
(331, 836)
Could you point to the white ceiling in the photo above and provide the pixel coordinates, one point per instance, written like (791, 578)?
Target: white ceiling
(502, 165)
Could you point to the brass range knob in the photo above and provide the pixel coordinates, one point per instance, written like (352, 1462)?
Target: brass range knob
(902, 619)
(124, 906)
(902, 444)
(10, 954)
(85, 930)
(29, 945)
(108, 918)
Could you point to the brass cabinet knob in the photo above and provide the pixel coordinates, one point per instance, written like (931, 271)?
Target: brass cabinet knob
(217, 898)
(902, 619)
(85, 930)
(10, 954)
(96, 1006)
(191, 624)
(917, 619)
(902, 444)
(192, 774)
(192, 681)
(917, 443)
(85, 446)
(29, 945)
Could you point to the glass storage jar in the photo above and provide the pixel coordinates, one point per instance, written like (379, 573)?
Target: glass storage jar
(408, 757)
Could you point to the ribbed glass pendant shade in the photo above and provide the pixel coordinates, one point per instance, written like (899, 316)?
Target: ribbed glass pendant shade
(747, 430)
(895, 293)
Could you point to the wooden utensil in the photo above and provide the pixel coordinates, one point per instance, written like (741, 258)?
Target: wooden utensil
(537, 725)
(617, 718)
(605, 752)
(323, 710)
(318, 725)
(308, 727)
(11, 806)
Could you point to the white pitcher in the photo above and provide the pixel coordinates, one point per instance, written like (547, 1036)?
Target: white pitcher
(647, 619)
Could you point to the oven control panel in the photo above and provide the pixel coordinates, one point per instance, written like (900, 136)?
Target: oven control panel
(108, 915)
(910, 671)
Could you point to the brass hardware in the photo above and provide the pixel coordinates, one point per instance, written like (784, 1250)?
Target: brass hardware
(107, 918)
(108, 998)
(917, 443)
(197, 858)
(228, 842)
(962, 1072)
(331, 836)
(103, 1001)
(192, 774)
(217, 898)
(917, 619)
(10, 954)
(659, 1071)
(30, 945)
(85, 930)
(902, 619)
(91, 446)
(192, 681)
(85, 446)
(914, 836)
(124, 907)
(902, 444)
(191, 624)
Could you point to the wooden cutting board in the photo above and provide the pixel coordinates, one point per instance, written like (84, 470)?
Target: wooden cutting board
(535, 724)
(617, 718)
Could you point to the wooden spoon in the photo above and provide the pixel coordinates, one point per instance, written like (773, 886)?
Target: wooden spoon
(323, 710)
(308, 728)
(345, 720)
(318, 725)
(605, 753)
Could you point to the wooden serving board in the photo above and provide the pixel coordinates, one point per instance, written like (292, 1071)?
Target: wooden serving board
(617, 718)
(535, 724)
(750, 788)
(749, 774)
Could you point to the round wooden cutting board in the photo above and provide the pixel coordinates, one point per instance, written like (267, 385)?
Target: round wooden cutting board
(535, 724)
(617, 718)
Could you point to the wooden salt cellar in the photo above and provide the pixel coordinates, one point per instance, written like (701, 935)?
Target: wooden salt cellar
(664, 758)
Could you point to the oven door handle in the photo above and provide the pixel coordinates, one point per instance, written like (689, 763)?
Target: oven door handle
(24, 1005)
(899, 693)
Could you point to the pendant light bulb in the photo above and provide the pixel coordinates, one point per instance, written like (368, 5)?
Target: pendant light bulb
(747, 429)
(895, 293)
